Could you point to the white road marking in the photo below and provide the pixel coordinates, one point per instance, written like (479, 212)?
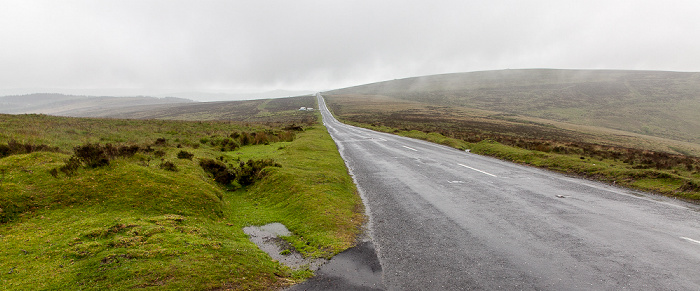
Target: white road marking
(415, 150)
(455, 182)
(480, 171)
(691, 240)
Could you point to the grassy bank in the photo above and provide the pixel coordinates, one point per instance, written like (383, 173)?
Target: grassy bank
(670, 175)
(135, 223)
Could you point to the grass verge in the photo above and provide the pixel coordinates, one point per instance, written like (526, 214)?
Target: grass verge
(681, 180)
(136, 224)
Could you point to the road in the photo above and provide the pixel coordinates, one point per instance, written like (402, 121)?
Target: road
(445, 219)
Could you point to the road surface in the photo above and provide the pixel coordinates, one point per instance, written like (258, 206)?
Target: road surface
(445, 219)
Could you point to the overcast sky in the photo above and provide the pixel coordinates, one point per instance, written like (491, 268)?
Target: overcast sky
(159, 47)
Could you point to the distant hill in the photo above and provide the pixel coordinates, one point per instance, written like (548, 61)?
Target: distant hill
(79, 106)
(202, 96)
(656, 103)
(258, 110)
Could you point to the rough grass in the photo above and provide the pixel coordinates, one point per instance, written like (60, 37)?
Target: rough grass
(655, 103)
(674, 175)
(269, 111)
(132, 224)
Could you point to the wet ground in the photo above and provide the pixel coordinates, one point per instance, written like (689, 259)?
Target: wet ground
(267, 238)
(357, 268)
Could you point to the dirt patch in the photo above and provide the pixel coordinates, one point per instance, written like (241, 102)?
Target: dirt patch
(267, 238)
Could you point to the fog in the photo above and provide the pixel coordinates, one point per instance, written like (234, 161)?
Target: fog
(224, 48)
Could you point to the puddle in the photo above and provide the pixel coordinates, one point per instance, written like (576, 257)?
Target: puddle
(276, 228)
(357, 268)
(267, 238)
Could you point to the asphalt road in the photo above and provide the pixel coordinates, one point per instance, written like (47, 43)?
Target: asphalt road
(444, 219)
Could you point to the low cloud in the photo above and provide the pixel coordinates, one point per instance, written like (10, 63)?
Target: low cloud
(240, 46)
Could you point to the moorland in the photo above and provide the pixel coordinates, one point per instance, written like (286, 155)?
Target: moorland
(632, 128)
(77, 106)
(94, 203)
(156, 195)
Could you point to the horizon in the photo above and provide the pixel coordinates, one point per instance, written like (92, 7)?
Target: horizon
(240, 96)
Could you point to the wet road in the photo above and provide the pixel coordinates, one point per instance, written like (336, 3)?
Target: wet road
(444, 219)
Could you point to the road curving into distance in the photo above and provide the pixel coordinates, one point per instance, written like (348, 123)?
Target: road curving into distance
(445, 219)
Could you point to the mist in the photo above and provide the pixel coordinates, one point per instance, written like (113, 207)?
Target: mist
(226, 48)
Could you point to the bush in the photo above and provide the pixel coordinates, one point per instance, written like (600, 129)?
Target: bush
(168, 166)
(159, 153)
(71, 166)
(121, 151)
(92, 155)
(160, 141)
(185, 155)
(221, 173)
(245, 175)
(252, 170)
(15, 148)
(4, 150)
(228, 144)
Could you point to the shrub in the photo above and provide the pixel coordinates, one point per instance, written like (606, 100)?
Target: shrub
(120, 151)
(160, 141)
(221, 173)
(92, 155)
(294, 127)
(228, 144)
(168, 166)
(252, 170)
(71, 166)
(4, 150)
(14, 148)
(159, 153)
(185, 155)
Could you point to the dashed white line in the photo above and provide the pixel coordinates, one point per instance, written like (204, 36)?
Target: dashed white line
(691, 240)
(480, 171)
(410, 148)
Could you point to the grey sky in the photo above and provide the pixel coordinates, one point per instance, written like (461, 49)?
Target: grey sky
(158, 47)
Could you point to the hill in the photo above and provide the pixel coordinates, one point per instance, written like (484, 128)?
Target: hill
(113, 204)
(260, 110)
(80, 106)
(654, 103)
(597, 124)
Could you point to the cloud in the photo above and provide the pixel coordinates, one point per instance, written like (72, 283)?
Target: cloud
(236, 46)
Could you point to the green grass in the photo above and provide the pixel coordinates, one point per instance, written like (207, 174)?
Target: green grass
(132, 224)
(668, 181)
(487, 112)
(671, 182)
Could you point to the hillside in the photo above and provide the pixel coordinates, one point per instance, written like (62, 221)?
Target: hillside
(260, 110)
(113, 204)
(579, 123)
(661, 104)
(80, 106)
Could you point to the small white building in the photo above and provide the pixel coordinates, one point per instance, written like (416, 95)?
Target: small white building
(302, 109)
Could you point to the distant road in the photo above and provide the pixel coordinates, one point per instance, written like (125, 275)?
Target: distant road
(444, 219)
